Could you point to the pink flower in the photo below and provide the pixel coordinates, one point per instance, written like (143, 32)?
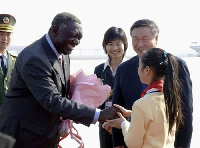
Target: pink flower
(86, 90)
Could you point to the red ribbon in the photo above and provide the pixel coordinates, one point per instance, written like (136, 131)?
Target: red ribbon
(156, 84)
(74, 136)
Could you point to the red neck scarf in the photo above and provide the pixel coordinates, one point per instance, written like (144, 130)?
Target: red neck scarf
(156, 84)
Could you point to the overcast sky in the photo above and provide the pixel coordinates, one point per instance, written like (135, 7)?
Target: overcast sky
(178, 20)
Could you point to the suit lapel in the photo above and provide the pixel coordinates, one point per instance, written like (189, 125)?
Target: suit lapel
(1, 71)
(56, 65)
(109, 72)
(11, 63)
(66, 67)
(133, 74)
(53, 59)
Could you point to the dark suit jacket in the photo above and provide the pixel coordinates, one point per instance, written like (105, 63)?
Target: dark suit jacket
(37, 98)
(128, 88)
(107, 78)
(184, 135)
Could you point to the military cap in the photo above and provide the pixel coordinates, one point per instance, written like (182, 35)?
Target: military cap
(7, 22)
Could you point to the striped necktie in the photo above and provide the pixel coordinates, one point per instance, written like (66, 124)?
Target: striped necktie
(60, 60)
(3, 65)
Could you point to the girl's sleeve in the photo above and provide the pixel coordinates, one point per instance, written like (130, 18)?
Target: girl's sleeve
(135, 130)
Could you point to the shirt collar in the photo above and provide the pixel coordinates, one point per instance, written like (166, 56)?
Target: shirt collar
(5, 55)
(53, 47)
(107, 63)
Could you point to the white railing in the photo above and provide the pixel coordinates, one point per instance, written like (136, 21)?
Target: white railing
(76, 53)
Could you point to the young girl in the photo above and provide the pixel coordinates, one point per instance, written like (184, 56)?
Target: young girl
(157, 115)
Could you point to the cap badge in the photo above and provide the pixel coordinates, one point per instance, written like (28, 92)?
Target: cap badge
(6, 20)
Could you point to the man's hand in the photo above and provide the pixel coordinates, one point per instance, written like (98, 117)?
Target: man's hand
(108, 114)
(124, 112)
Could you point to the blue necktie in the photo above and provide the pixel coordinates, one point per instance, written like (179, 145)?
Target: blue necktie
(3, 66)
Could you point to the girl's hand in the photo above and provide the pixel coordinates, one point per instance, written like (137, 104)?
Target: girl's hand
(107, 127)
(125, 112)
(116, 122)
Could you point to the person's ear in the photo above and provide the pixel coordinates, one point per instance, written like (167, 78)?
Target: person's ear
(156, 38)
(147, 69)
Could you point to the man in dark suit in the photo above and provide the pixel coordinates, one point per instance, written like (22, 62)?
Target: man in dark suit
(128, 88)
(38, 91)
(7, 60)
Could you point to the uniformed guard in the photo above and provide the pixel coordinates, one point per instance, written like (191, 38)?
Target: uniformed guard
(7, 60)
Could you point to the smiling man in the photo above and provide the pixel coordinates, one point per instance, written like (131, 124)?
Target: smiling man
(128, 87)
(7, 60)
(39, 87)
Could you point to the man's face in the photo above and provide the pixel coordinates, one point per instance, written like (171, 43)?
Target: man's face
(66, 39)
(143, 40)
(5, 39)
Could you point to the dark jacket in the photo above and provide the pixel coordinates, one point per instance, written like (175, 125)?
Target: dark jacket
(106, 77)
(37, 98)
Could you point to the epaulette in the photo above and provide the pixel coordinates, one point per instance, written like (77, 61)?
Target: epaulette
(13, 55)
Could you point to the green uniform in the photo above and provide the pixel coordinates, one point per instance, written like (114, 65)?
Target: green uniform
(4, 81)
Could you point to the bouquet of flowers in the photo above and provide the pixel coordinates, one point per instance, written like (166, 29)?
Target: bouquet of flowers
(84, 89)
